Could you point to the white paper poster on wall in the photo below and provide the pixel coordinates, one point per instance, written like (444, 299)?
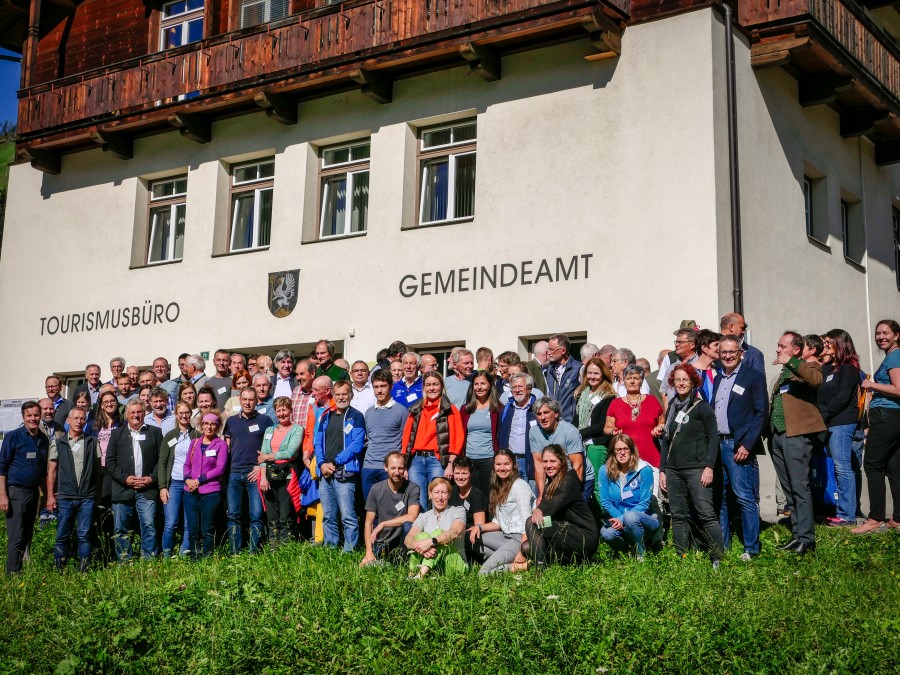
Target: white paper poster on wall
(10, 414)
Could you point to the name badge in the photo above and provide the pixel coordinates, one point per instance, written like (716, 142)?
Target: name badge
(399, 506)
(221, 390)
(236, 408)
(140, 437)
(595, 399)
(466, 505)
(210, 453)
(30, 455)
(829, 378)
(783, 389)
(681, 418)
(548, 521)
(348, 428)
(173, 442)
(411, 398)
(588, 441)
(627, 494)
(253, 428)
(532, 423)
(435, 416)
(738, 389)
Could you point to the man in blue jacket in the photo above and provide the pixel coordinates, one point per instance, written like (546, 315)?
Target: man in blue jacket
(339, 440)
(516, 420)
(740, 402)
(561, 373)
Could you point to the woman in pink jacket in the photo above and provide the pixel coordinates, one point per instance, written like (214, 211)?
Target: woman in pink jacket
(204, 469)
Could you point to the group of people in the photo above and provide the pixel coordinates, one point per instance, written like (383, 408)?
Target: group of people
(507, 463)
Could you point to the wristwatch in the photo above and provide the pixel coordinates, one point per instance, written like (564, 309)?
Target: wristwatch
(434, 541)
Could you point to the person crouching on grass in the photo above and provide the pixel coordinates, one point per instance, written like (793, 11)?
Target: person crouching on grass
(435, 539)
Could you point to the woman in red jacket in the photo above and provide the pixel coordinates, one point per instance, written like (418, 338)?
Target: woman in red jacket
(433, 436)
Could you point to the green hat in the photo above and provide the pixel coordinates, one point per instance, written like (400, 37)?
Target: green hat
(686, 324)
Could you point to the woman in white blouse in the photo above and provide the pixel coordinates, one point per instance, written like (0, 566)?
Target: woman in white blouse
(510, 504)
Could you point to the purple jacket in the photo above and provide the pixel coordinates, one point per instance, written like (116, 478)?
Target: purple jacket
(208, 467)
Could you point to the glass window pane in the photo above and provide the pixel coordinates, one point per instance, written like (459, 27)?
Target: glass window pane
(171, 36)
(266, 170)
(194, 4)
(359, 213)
(334, 205)
(465, 132)
(464, 200)
(265, 216)
(159, 234)
(434, 190)
(242, 221)
(335, 156)
(180, 211)
(174, 8)
(278, 10)
(358, 152)
(242, 174)
(195, 30)
(436, 137)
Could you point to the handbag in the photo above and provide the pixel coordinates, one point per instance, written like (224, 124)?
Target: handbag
(278, 471)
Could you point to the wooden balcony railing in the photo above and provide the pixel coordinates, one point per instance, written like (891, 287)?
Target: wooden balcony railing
(840, 21)
(307, 44)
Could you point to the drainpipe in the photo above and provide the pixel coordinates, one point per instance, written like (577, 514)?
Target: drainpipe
(737, 260)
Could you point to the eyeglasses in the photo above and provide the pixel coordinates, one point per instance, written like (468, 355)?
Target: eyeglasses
(681, 380)
(729, 353)
(683, 342)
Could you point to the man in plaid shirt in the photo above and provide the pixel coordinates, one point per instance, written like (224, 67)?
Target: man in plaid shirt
(302, 395)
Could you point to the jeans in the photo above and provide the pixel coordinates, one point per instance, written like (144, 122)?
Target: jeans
(122, 514)
(883, 459)
(393, 548)
(840, 448)
(858, 444)
(686, 491)
(522, 465)
(200, 513)
(740, 482)
(369, 478)
(337, 499)
(422, 470)
(635, 527)
(173, 513)
(238, 484)
(80, 514)
(791, 456)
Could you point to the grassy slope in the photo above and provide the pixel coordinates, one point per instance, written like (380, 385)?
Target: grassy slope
(7, 154)
(307, 610)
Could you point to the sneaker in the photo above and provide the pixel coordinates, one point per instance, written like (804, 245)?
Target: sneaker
(893, 524)
(715, 564)
(870, 526)
(837, 522)
(639, 557)
(746, 557)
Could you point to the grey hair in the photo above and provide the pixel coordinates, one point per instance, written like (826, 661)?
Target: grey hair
(259, 377)
(529, 380)
(197, 361)
(588, 350)
(117, 359)
(284, 354)
(546, 401)
(633, 369)
(627, 354)
(418, 358)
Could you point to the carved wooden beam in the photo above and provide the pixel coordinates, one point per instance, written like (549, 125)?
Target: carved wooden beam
(862, 122)
(120, 145)
(483, 61)
(887, 152)
(280, 107)
(198, 128)
(43, 160)
(605, 35)
(376, 86)
(819, 89)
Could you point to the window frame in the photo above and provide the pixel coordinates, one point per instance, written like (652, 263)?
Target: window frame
(256, 186)
(349, 169)
(895, 222)
(808, 204)
(452, 151)
(183, 19)
(171, 202)
(266, 14)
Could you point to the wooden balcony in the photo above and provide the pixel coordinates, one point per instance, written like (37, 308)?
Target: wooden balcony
(840, 57)
(364, 45)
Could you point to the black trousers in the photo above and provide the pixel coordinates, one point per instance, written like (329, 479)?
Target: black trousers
(481, 475)
(280, 511)
(685, 491)
(882, 456)
(791, 456)
(562, 542)
(23, 506)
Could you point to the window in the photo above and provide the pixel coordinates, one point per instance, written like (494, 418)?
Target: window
(807, 203)
(895, 218)
(254, 12)
(251, 205)
(181, 22)
(344, 173)
(447, 161)
(167, 212)
(852, 232)
(815, 205)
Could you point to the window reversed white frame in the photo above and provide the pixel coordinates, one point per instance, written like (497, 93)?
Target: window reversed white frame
(252, 189)
(168, 208)
(447, 173)
(180, 23)
(254, 12)
(344, 189)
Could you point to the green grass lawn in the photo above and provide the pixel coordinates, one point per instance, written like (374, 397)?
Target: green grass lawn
(305, 610)
(7, 154)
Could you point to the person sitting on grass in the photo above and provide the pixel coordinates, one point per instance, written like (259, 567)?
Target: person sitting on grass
(561, 529)
(394, 504)
(473, 500)
(435, 539)
(511, 503)
(626, 493)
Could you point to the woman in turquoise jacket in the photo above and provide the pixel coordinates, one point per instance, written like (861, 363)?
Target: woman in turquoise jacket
(277, 456)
